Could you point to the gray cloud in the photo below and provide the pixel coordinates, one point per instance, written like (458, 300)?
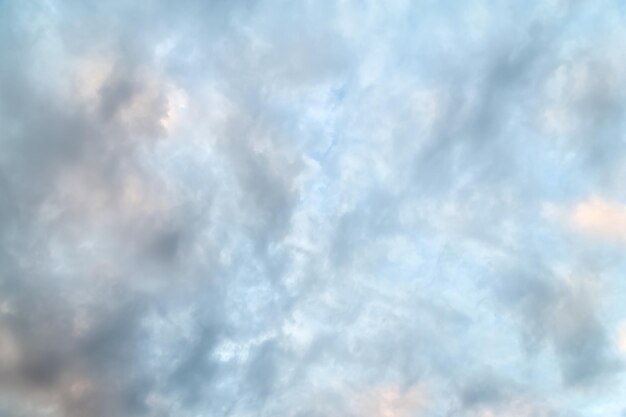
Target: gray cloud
(257, 208)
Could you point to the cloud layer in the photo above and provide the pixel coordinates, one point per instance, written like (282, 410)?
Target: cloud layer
(351, 208)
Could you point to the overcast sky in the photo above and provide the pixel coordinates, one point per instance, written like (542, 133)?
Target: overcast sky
(312, 208)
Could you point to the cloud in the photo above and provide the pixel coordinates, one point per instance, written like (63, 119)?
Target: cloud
(392, 402)
(306, 209)
(562, 312)
(599, 218)
(621, 339)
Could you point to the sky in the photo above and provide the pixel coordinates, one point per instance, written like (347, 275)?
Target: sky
(348, 208)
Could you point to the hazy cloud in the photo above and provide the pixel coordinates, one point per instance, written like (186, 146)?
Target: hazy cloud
(311, 209)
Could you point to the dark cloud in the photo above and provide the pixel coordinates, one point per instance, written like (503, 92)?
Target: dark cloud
(484, 390)
(564, 315)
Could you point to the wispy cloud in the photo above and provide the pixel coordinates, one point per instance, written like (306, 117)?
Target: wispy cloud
(349, 208)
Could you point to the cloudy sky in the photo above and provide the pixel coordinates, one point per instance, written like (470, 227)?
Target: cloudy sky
(344, 208)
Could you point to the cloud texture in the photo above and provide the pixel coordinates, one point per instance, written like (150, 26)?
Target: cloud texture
(312, 208)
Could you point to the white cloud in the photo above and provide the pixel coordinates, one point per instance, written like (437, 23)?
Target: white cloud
(598, 218)
(392, 401)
